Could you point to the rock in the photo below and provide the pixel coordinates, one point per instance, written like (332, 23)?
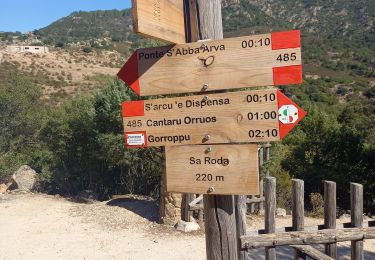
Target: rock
(86, 196)
(25, 178)
(3, 188)
(280, 212)
(187, 226)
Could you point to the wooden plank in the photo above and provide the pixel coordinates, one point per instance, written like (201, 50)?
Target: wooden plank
(356, 214)
(312, 252)
(196, 200)
(160, 19)
(246, 116)
(298, 211)
(330, 214)
(250, 61)
(270, 214)
(255, 200)
(307, 237)
(213, 169)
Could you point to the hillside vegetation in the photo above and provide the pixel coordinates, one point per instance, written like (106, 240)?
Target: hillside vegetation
(79, 145)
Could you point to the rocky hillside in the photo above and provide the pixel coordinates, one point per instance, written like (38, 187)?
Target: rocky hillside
(337, 35)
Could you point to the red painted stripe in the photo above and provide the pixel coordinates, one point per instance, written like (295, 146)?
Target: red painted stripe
(286, 40)
(287, 75)
(129, 73)
(282, 100)
(126, 134)
(133, 108)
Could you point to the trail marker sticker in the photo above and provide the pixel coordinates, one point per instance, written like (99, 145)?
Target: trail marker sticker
(250, 61)
(135, 139)
(288, 114)
(245, 116)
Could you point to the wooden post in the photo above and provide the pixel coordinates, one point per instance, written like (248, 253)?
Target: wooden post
(298, 206)
(240, 203)
(356, 214)
(220, 221)
(186, 213)
(330, 214)
(270, 213)
(261, 193)
(268, 157)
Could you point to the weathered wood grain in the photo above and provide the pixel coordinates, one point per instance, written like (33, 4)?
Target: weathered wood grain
(356, 214)
(241, 210)
(298, 211)
(330, 214)
(308, 237)
(219, 210)
(270, 213)
(160, 19)
(312, 252)
(213, 169)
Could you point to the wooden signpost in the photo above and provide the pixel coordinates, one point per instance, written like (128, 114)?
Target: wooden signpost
(217, 171)
(160, 19)
(249, 61)
(245, 116)
(213, 169)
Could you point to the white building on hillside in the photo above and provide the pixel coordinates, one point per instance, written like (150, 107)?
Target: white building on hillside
(30, 49)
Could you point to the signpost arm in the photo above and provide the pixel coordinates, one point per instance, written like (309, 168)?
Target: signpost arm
(220, 220)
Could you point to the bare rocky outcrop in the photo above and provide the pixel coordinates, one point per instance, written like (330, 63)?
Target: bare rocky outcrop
(187, 226)
(24, 178)
(3, 188)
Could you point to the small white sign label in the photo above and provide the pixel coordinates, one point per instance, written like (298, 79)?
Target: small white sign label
(288, 114)
(135, 139)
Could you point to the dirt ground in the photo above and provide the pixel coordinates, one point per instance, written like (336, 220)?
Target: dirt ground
(37, 226)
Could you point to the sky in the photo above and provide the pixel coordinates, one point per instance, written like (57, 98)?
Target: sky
(28, 15)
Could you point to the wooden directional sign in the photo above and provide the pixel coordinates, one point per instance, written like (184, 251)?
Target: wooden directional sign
(261, 60)
(213, 169)
(160, 19)
(246, 116)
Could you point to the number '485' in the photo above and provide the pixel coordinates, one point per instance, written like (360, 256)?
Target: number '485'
(287, 57)
(134, 123)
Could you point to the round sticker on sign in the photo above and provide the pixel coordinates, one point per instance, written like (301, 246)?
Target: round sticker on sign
(288, 114)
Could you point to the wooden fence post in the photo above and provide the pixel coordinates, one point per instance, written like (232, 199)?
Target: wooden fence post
(330, 214)
(261, 187)
(298, 208)
(270, 213)
(186, 213)
(356, 214)
(205, 22)
(241, 207)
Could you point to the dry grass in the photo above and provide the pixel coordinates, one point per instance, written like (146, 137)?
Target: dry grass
(65, 73)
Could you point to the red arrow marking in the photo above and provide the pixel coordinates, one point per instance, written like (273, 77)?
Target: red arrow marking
(129, 73)
(285, 101)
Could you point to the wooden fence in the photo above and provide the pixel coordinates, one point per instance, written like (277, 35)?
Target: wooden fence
(301, 238)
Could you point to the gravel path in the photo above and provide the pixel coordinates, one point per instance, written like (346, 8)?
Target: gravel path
(37, 226)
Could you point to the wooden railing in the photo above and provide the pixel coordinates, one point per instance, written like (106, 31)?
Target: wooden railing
(300, 239)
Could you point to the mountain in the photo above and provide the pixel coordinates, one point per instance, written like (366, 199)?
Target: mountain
(338, 36)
